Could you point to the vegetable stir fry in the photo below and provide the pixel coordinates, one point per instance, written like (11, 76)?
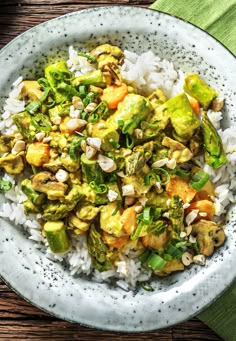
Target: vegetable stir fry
(115, 165)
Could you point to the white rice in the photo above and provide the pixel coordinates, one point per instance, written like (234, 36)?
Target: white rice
(145, 73)
(148, 72)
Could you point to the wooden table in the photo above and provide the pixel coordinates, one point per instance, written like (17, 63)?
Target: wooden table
(18, 319)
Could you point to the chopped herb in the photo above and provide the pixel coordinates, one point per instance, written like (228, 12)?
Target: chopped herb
(41, 123)
(88, 56)
(5, 185)
(146, 286)
(155, 262)
(199, 179)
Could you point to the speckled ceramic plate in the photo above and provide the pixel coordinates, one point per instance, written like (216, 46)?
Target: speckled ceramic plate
(48, 285)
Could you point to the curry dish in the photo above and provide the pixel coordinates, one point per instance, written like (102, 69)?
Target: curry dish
(118, 166)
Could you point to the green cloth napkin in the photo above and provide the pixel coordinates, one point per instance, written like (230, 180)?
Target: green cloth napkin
(217, 17)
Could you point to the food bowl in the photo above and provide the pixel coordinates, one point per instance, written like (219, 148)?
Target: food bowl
(47, 284)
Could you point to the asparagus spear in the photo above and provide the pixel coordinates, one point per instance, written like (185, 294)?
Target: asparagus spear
(183, 119)
(93, 78)
(176, 214)
(91, 170)
(57, 73)
(56, 236)
(131, 112)
(98, 250)
(197, 88)
(35, 197)
(214, 152)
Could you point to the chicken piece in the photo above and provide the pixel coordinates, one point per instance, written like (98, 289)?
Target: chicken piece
(138, 184)
(209, 235)
(79, 226)
(179, 186)
(111, 223)
(156, 242)
(31, 89)
(86, 211)
(177, 150)
(6, 143)
(170, 266)
(129, 220)
(69, 164)
(37, 154)
(12, 164)
(206, 209)
(45, 182)
(157, 98)
(115, 242)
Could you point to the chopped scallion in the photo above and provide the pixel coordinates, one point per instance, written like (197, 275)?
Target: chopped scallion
(41, 123)
(155, 262)
(33, 107)
(114, 144)
(173, 251)
(88, 56)
(129, 141)
(199, 179)
(137, 232)
(98, 188)
(147, 215)
(146, 286)
(5, 185)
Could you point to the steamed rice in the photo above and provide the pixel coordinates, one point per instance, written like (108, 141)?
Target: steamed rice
(145, 73)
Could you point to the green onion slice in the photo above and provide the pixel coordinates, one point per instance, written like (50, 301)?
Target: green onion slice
(40, 122)
(88, 56)
(68, 89)
(164, 172)
(99, 112)
(43, 83)
(83, 91)
(157, 213)
(147, 286)
(147, 179)
(33, 107)
(129, 141)
(75, 148)
(116, 209)
(59, 76)
(5, 185)
(155, 262)
(147, 215)
(144, 256)
(114, 144)
(180, 172)
(157, 228)
(199, 179)
(137, 232)
(126, 126)
(98, 188)
(149, 126)
(120, 123)
(182, 244)
(173, 251)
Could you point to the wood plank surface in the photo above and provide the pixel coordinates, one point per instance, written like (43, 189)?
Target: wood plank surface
(19, 320)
